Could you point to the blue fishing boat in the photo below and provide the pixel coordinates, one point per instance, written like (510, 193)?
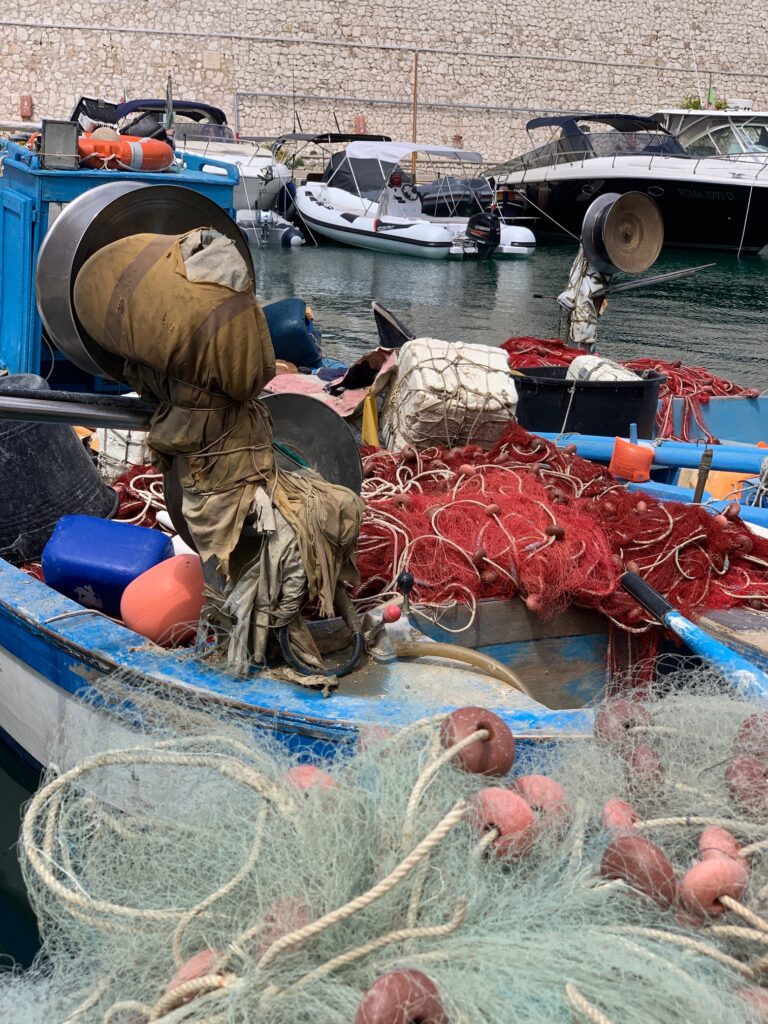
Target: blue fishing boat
(53, 651)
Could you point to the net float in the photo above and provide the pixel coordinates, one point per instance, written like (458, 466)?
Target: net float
(703, 885)
(645, 771)
(641, 864)
(616, 717)
(489, 577)
(479, 556)
(408, 453)
(743, 544)
(619, 817)
(752, 736)
(716, 842)
(534, 603)
(632, 567)
(546, 798)
(285, 915)
(467, 470)
(196, 966)
(554, 530)
(747, 781)
(369, 737)
(307, 776)
(401, 501)
(720, 518)
(492, 756)
(733, 511)
(493, 510)
(641, 506)
(402, 997)
(511, 816)
(569, 449)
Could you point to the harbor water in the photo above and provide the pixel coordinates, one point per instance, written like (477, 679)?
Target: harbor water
(715, 319)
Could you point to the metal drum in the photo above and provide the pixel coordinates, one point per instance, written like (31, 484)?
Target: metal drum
(96, 219)
(623, 232)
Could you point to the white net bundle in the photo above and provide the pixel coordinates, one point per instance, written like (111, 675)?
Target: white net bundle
(448, 393)
(185, 867)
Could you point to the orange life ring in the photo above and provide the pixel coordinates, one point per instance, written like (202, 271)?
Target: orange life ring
(126, 153)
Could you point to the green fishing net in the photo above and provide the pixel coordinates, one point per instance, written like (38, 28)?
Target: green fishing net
(168, 836)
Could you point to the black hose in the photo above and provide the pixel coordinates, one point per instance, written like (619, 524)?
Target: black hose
(358, 650)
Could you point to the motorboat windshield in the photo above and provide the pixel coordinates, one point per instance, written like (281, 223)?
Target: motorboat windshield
(580, 137)
(712, 133)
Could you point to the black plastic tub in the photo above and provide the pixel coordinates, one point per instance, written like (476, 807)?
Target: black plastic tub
(548, 403)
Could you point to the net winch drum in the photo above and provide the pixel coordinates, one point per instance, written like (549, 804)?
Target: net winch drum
(45, 473)
(622, 232)
(96, 219)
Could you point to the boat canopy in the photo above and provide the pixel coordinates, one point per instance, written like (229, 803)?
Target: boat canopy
(365, 178)
(393, 152)
(328, 138)
(188, 108)
(620, 122)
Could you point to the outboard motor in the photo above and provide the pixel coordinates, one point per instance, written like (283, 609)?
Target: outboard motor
(484, 229)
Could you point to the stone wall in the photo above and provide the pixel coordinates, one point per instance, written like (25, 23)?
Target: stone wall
(484, 67)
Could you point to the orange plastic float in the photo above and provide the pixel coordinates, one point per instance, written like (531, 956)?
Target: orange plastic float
(124, 153)
(164, 603)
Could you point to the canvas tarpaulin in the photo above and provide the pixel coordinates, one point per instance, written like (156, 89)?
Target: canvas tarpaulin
(201, 349)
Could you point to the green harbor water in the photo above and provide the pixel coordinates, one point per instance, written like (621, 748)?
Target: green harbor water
(718, 319)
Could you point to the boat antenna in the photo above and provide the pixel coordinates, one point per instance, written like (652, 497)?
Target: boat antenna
(293, 94)
(169, 102)
(338, 127)
(695, 66)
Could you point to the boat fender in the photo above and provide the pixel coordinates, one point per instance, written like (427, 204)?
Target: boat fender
(165, 602)
(124, 153)
(492, 756)
(402, 997)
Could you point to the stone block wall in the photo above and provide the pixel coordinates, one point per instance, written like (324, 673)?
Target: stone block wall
(484, 67)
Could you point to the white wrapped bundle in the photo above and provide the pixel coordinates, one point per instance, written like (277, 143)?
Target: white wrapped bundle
(449, 394)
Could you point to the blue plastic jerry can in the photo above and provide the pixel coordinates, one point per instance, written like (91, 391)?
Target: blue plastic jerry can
(93, 560)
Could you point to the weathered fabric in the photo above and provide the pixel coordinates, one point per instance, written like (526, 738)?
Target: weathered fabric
(195, 340)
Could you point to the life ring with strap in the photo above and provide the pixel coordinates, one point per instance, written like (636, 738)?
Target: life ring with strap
(124, 153)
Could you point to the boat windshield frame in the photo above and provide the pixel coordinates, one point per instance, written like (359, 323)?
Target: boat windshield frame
(577, 142)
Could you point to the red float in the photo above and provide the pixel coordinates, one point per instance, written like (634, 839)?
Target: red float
(618, 817)
(402, 997)
(547, 798)
(703, 885)
(641, 864)
(307, 776)
(492, 756)
(510, 815)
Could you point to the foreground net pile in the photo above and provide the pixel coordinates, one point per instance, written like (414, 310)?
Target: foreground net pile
(694, 385)
(528, 518)
(194, 873)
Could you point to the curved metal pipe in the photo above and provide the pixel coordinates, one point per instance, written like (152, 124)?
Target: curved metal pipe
(453, 652)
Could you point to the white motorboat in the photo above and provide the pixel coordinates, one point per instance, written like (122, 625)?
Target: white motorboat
(202, 129)
(714, 202)
(364, 199)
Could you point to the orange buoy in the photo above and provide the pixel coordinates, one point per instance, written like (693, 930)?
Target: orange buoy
(164, 603)
(124, 153)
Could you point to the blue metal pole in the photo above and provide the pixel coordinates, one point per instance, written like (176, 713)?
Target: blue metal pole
(731, 458)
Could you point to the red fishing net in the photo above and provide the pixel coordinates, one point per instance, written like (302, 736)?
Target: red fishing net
(533, 520)
(693, 385)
